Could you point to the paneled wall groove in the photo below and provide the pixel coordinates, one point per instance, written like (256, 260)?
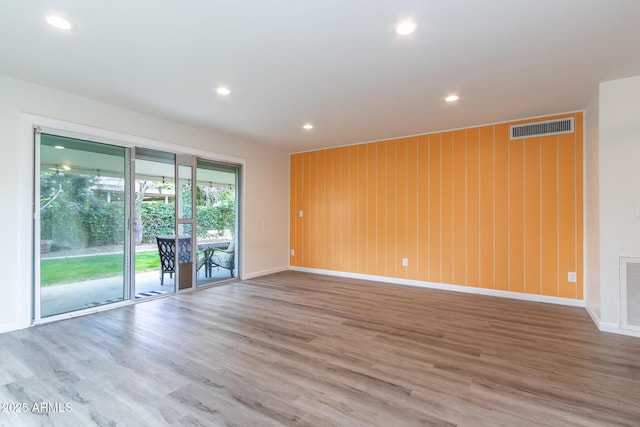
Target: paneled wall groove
(467, 207)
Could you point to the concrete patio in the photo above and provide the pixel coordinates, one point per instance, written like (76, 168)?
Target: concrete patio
(70, 297)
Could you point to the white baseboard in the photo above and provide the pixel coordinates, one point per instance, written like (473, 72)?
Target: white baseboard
(610, 327)
(432, 285)
(12, 326)
(263, 273)
(593, 315)
(614, 328)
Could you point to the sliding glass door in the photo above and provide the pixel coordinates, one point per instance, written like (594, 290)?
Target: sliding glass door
(186, 261)
(114, 224)
(82, 205)
(153, 226)
(216, 221)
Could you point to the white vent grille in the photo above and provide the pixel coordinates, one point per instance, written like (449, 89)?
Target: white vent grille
(630, 293)
(550, 127)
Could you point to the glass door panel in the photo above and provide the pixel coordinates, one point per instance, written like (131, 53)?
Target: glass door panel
(185, 205)
(82, 211)
(186, 260)
(154, 224)
(216, 220)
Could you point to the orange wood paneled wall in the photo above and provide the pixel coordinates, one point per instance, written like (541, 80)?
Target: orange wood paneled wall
(467, 207)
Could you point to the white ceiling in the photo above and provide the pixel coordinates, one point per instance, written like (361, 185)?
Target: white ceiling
(336, 63)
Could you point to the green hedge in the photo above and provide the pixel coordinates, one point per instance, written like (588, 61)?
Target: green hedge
(104, 222)
(157, 219)
(95, 223)
(72, 216)
(99, 223)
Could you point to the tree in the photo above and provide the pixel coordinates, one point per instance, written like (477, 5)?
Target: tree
(71, 215)
(63, 204)
(139, 225)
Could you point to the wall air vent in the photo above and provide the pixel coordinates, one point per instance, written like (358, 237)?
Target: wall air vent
(630, 293)
(551, 127)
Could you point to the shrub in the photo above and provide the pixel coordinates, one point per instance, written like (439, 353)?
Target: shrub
(157, 219)
(72, 216)
(104, 222)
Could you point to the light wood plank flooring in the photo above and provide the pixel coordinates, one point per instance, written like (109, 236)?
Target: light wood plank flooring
(300, 349)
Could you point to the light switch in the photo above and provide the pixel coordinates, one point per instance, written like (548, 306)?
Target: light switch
(293, 252)
(572, 277)
(300, 213)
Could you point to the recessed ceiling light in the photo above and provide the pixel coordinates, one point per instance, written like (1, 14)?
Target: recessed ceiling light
(452, 98)
(58, 147)
(405, 28)
(66, 167)
(223, 91)
(59, 22)
(308, 126)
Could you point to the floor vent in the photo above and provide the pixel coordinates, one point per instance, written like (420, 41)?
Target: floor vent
(551, 127)
(630, 293)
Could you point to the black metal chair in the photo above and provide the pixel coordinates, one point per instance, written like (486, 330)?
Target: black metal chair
(167, 251)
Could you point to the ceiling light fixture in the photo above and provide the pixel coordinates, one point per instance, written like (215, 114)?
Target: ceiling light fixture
(59, 22)
(405, 28)
(223, 91)
(308, 126)
(452, 98)
(58, 147)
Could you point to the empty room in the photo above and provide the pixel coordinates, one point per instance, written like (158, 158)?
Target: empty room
(320, 213)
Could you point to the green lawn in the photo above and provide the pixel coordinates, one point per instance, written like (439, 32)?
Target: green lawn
(65, 270)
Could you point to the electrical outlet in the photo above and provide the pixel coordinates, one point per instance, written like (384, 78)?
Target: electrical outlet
(293, 252)
(405, 262)
(572, 277)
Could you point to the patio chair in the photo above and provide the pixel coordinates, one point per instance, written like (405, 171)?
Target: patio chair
(225, 258)
(205, 261)
(167, 252)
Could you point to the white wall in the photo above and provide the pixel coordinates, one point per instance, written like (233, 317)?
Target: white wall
(265, 175)
(592, 207)
(619, 172)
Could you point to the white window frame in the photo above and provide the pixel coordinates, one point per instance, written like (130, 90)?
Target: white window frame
(29, 311)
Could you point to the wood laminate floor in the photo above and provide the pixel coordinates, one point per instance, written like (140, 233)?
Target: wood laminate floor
(299, 349)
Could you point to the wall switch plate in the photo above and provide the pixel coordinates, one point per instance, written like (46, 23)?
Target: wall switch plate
(405, 262)
(300, 213)
(293, 252)
(572, 277)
